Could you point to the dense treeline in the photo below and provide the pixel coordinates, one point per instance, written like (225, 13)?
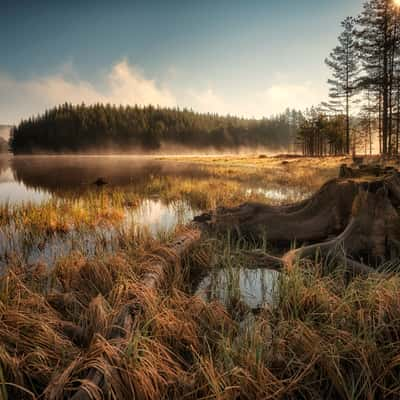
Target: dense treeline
(78, 128)
(321, 135)
(364, 88)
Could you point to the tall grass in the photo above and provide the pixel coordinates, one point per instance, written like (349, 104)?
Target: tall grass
(323, 336)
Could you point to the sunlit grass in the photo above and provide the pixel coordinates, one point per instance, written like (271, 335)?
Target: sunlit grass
(323, 335)
(63, 215)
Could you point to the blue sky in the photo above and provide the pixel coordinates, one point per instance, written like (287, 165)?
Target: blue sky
(247, 57)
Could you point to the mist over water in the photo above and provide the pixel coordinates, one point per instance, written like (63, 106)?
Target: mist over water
(39, 178)
(157, 194)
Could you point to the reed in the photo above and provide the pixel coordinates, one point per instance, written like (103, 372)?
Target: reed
(323, 336)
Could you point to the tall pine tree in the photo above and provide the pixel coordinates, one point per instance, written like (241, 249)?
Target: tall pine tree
(377, 36)
(343, 62)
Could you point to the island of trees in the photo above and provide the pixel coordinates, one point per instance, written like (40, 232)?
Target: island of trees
(78, 128)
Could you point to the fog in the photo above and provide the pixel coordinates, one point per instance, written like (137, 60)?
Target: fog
(5, 131)
(165, 149)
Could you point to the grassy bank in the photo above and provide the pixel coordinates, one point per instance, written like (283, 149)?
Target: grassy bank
(323, 336)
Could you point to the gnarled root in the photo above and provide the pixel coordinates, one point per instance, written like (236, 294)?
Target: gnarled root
(359, 209)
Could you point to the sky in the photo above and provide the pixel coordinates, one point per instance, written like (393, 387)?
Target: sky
(250, 58)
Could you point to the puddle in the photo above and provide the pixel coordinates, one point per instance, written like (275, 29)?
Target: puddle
(156, 216)
(254, 287)
(279, 195)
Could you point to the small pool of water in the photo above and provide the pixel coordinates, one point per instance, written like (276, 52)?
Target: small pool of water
(279, 194)
(155, 215)
(253, 287)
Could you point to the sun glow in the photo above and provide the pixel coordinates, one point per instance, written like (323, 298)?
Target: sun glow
(396, 3)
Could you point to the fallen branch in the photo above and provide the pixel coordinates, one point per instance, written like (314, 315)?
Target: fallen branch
(124, 322)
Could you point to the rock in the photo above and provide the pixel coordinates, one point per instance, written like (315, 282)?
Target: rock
(100, 182)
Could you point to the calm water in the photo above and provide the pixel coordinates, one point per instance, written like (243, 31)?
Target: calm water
(254, 287)
(38, 179)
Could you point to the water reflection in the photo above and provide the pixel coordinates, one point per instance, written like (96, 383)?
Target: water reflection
(36, 179)
(35, 248)
(61, 175)
(157, 216)
(160, 194)
(14, 192)
(279, 194)
(253, 287)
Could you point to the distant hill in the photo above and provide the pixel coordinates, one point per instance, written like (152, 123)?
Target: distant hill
(5, 131)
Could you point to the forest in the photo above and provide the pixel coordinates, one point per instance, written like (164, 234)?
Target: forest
(364, 94)
(107, 128)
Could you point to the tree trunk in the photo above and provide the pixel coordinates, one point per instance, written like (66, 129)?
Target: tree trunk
(361, 202)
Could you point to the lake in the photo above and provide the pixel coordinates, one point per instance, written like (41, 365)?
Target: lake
(158, 194)
(39, 179)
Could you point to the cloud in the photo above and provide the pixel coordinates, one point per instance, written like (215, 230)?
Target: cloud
(124, 84)
(208, 101)
(265, 102)
(128, 86)
(280, 96)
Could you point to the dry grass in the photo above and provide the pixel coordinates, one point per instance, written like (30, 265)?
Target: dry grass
(323, 337)
(29, 232)
(64, 215)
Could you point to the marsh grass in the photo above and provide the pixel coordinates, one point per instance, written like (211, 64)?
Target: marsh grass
(324, 335)
(82, 221)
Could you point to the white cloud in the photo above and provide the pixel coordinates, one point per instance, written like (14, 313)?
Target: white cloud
(265, 102)
(124, 84)
(280, 96)
(128, 86)
(208, 101)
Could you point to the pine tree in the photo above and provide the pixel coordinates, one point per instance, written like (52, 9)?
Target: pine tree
(343, 62)
(377, 36)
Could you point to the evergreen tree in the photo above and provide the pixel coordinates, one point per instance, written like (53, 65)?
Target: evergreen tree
(343, 62)
(378, 37)
(104, 128)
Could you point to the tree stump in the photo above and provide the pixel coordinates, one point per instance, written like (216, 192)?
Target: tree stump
(358, 210)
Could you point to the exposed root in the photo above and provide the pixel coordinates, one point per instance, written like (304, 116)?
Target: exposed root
(359, 210)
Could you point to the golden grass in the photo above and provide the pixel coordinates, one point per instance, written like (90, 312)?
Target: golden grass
(62, 216)
(323, 337)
